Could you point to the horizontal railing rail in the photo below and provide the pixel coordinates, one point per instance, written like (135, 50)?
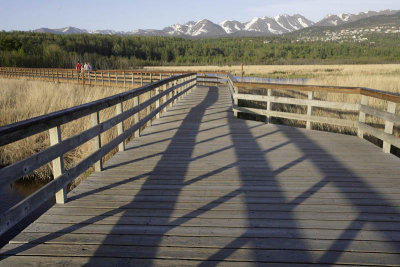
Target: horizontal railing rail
(115, 78)
(167, 91)
(120, 78)
(244, 91)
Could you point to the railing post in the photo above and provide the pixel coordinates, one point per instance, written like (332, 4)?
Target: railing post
(160, 76)
(136, 116)
(83, 78)
(120, 126)
(90, 78)
(109, 79)
(164, 97)
(96, 141)
(124, 80)
(116, 78)
(361, 118)
(391, 108)
(133, 80)
(148, 108)
(269, 103)
(141, 79)
(158, 102)
(235, 102)
(151, 77)
(102, 79)
(58, 163)
(309, 110)
(95, 78)
(170, 94)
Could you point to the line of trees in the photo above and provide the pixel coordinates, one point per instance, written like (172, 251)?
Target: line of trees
(29, 49)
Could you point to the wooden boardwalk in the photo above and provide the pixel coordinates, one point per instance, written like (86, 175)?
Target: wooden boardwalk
(202, 188)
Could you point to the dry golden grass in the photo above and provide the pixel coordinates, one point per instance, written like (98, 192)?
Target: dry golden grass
(382, 77)
(22, 99)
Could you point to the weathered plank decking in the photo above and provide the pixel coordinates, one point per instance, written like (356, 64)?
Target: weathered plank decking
(201, 187)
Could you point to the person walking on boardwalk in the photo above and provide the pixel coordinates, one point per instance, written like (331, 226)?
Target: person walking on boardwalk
(78, 66)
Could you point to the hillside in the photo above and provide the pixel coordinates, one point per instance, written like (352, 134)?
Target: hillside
(369, 29)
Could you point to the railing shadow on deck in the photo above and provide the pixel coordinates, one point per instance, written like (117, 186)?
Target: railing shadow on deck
(193, 117)
(298, 239)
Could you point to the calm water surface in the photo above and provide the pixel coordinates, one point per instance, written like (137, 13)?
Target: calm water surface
(12, 194)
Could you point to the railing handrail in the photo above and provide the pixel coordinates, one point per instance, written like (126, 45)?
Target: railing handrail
(384, 95)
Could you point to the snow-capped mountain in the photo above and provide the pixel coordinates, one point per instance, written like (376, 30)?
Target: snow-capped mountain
(232, 26)
(195, 29)
(340, 19)
(278, 25)
(258, 26)
(265, 25)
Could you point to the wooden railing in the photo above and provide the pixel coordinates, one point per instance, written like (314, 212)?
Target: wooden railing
(115, 78)
(245, 91)
(163, 93)
(121, 78)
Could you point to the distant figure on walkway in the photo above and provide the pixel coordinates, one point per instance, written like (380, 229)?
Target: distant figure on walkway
(90, 68)
(85, 66)
(78, 66)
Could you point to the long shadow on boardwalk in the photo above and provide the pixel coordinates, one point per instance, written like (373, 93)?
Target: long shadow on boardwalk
(192, 121)
(294, 240)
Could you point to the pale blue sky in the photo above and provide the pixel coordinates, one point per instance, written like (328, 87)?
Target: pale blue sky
(128, 15)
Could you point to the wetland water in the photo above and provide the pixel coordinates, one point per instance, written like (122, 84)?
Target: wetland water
(11, 195)
(272, 80)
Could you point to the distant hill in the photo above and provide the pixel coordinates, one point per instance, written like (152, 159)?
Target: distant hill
(358, 31)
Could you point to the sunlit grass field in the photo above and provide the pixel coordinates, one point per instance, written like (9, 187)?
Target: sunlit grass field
(384, 77)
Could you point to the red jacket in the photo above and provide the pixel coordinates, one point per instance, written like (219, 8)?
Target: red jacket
(78, 66)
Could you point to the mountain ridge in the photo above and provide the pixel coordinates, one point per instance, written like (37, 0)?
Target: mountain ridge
(258, 26)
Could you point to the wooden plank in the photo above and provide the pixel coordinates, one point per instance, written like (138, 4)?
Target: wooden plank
(387, 116)
(226, 231)
(298, 87)
(202, 242)
(391, 109)
(295, 116)
(296, 101)
(51, 261)
(236, 255)
(221, 214)
(394, 140)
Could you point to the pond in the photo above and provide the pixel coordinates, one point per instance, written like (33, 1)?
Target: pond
(272, 80)
(11, 195)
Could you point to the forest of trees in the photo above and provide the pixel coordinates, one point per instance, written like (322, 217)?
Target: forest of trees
(29, 49)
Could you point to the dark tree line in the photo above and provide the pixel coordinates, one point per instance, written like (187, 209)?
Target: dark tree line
(28, 49)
